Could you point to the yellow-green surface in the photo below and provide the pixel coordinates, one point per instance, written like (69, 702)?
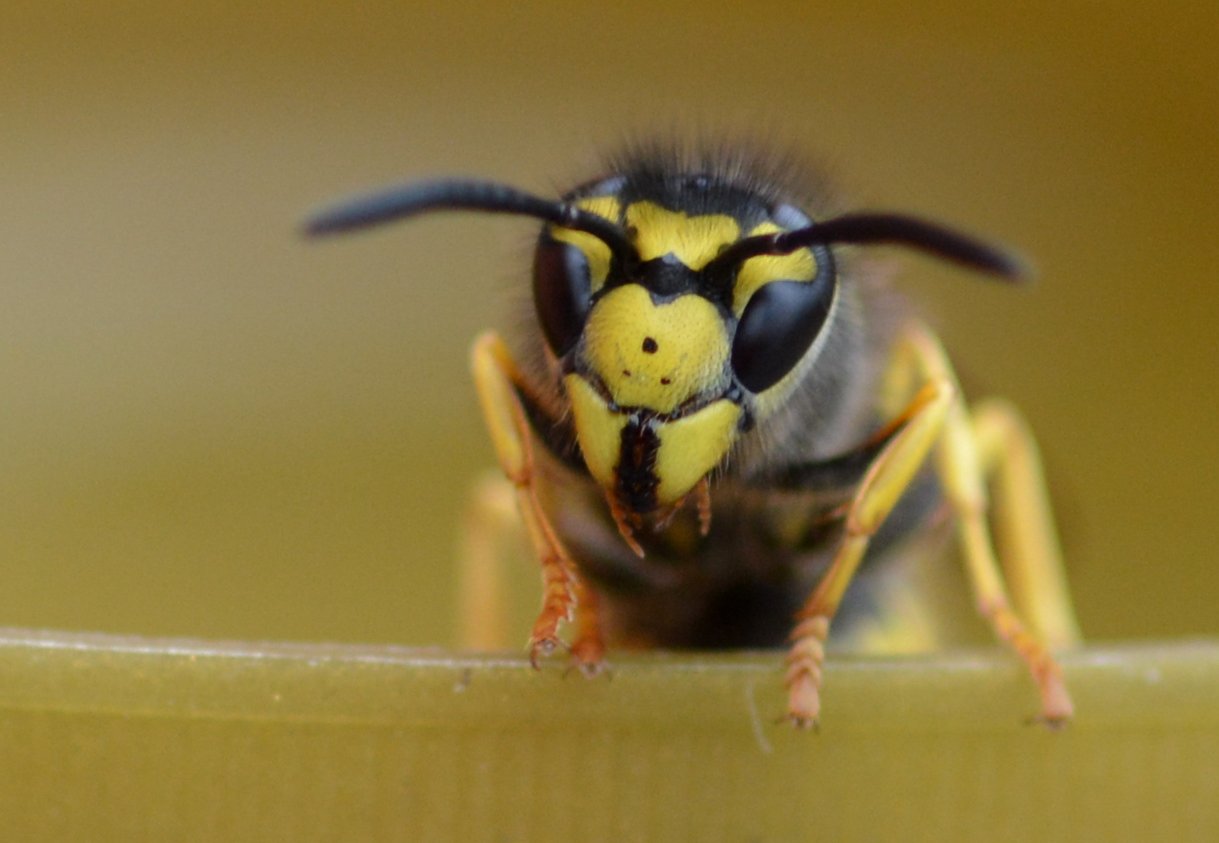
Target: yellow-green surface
(127, 739)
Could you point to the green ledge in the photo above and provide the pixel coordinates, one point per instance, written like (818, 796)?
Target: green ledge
(109, 738)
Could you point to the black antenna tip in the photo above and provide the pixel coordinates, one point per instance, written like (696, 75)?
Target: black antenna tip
(318, 226)
(1014, 267)
(360, 212)
(999, 262)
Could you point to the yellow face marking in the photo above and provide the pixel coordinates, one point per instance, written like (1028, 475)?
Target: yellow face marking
(598, 429)
(655, 355)
(693, 445)
(694, 240)
(595, 250)
(800, 265)
(690, 446)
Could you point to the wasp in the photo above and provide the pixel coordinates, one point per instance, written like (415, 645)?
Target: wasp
(717, 414)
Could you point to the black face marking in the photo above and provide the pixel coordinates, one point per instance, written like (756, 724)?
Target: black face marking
(636, 473)
(667, 276)
(649, 345)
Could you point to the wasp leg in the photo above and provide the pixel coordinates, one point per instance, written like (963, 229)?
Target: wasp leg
(1024, 523)
(964, 452)
(491, 523)
(501, 391)
(961, 472)
(883, 483)
(587, 644)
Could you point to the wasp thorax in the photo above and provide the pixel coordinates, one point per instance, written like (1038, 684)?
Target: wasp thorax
(655, 356)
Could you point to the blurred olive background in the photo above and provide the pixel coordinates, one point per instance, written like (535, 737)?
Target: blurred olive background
(212, 428)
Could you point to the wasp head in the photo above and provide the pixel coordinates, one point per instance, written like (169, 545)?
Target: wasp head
(666, 341)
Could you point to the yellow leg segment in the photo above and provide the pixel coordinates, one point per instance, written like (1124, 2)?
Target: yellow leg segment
(938, 417)
(1024, 523)
(882, 486)
(961, 472)
(491, 519)
(496, 379)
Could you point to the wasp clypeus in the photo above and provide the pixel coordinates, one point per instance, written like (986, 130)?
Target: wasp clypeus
(718, 415)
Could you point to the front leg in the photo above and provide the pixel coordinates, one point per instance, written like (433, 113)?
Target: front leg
(501, 391)
(886, 479)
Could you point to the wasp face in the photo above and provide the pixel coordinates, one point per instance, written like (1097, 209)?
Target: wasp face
(650, 391)
(664, 350)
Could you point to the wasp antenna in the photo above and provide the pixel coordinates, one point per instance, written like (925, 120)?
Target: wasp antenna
(410, 200)
(882, 228)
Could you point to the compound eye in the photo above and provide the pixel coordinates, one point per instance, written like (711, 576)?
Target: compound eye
(561, 292)
(777, 328)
